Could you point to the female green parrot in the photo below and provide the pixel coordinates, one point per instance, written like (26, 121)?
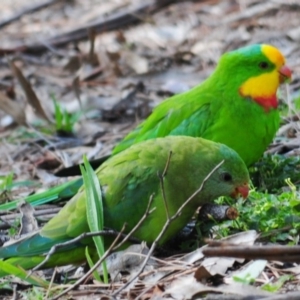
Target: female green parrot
(236, 105)
(128, 180)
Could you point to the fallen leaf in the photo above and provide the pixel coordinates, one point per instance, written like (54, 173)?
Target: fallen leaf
(13, 108)
(48, 162)
(31, 96)
(187, 288)
(248, 272)
(28, 221)
(136, 62)
(128, 260)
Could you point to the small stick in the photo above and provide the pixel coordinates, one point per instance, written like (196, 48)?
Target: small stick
(51, 282)
(26, 10)
(162, 186)
(75, 240)
(280, 253)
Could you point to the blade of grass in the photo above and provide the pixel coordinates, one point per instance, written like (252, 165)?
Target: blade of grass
(20, 273)
(91, 264)
(94, 208)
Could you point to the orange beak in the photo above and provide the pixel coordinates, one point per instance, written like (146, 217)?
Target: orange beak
(242, 190)
(285, 74)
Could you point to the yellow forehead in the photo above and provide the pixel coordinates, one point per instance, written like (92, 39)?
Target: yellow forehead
(273, 54)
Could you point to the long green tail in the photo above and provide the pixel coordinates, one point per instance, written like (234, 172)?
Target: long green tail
(63, 191)
(73, 256)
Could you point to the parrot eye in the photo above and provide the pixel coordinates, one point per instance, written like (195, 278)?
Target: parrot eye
(226, 176)
(263, 65)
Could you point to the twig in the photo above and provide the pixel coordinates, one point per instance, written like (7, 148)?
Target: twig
(115, 21)
(290, 296)
(167, 165)
(216, 212)
(77, 239)
(9, 225)
(162, 186)
(15, 292)
(37, 213)
(51, 282)
(26, 10)
(281, 253)
(165, 227)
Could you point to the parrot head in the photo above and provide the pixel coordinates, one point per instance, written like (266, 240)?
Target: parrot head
(255, 72)
(232, 177)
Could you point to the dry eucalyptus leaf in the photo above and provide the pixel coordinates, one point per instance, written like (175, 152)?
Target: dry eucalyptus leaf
(187, 288)
(74, 63)
(31, 96)
(250, 271)
(28, 221)
(128, 260)
(136, 62)
(219, 265)
(13, 108)
(212, 266)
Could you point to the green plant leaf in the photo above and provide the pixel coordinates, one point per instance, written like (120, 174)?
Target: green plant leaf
(94, 208)
(22, 274)
(91, 264)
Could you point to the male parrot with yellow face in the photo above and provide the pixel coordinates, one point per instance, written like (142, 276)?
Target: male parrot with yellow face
(236, 105)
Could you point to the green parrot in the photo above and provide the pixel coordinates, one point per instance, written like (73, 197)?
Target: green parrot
(128, 180)
(236, 105)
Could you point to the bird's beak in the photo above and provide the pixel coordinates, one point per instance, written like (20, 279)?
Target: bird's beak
(285, 74)
(242, 190)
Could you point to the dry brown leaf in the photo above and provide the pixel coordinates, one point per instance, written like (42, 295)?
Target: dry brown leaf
(13, 108)
(31, 96)
(219, 265)
(251, 270)
(187, 288)
(92, 57)
(74, 63)
(28, 221)
(136, 62)
(155, 294)
(128, 260)
(47, 162)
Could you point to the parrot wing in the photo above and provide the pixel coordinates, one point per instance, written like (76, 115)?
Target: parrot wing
(185, 114)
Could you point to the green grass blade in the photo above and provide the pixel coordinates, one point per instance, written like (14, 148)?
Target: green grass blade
(22, 274)
(91, 264)
(94, 208)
